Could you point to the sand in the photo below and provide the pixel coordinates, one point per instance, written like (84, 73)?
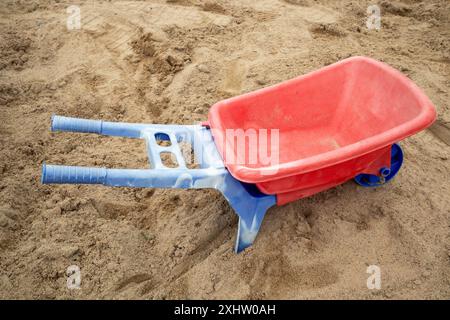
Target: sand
(168, 62)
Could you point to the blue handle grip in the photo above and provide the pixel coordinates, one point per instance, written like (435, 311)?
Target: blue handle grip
(72, 174)
(76, 125)
(119, 129)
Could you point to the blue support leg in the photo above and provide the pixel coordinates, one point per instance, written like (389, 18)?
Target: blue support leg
(250, 205)
(247, 231)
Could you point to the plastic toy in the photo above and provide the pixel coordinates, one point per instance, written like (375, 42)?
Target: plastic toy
(277, 144)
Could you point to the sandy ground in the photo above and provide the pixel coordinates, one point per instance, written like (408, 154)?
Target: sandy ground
(168, 62)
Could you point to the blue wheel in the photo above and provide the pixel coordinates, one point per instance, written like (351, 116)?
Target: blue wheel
(386, 174)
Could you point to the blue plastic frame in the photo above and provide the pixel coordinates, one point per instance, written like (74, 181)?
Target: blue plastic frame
(246, 200)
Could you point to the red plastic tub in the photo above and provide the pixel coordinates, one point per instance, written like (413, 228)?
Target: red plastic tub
(333, 124)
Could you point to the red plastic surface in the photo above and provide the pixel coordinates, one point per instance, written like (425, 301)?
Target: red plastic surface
(326, 118)
(307, 184)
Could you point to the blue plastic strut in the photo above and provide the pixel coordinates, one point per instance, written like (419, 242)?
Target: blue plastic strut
(246, 200)
(386, 174)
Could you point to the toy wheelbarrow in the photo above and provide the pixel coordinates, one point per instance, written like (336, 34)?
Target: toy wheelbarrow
(277, 144)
